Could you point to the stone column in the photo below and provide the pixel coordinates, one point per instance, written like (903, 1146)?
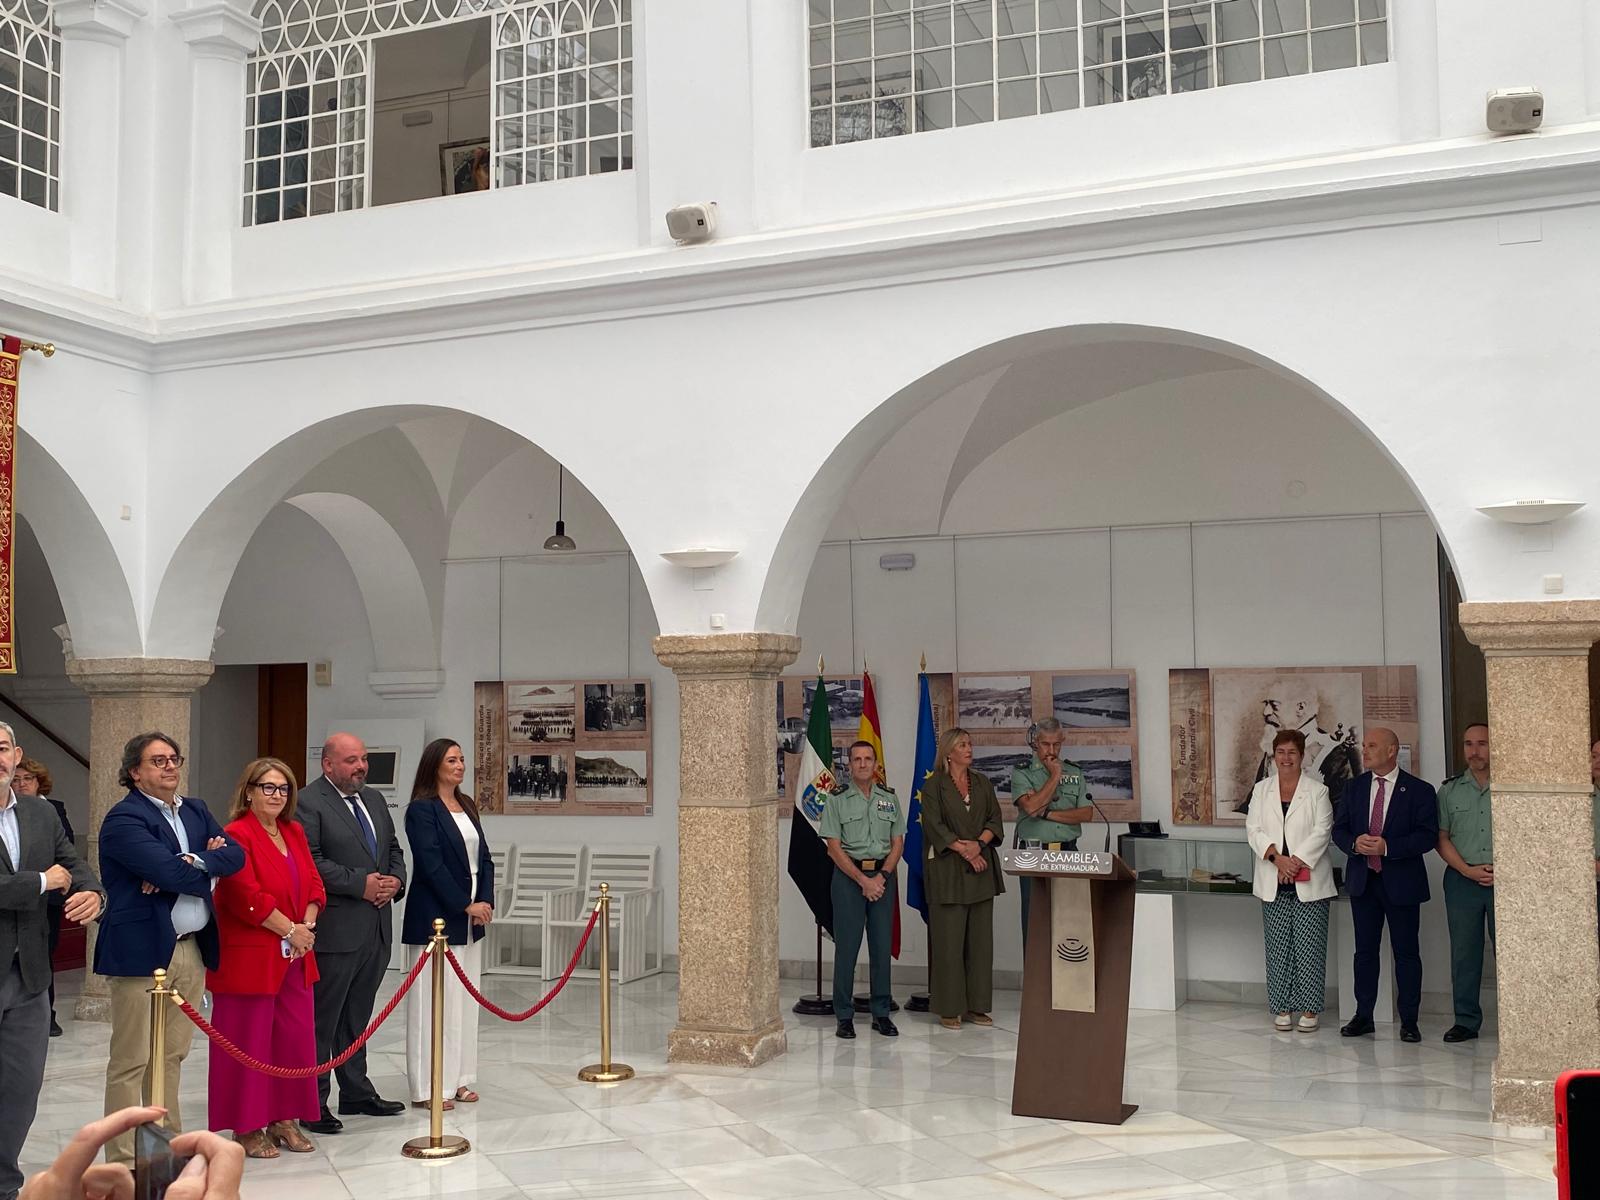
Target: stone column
(727, 846)
(127, 696)
(1547, 959)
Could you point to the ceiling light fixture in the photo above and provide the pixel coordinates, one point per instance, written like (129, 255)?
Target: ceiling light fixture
(559, 539)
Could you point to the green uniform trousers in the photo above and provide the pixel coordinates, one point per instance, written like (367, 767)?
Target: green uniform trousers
(1467, 906)
(961, 944)
(850, 913)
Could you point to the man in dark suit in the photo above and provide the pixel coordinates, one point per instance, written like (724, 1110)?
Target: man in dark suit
(1386, 821)
(354, 845)
(160, 853)
(36, 862)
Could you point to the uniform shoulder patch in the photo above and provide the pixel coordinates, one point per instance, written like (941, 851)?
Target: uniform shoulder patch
(840, 789)
(884, 787)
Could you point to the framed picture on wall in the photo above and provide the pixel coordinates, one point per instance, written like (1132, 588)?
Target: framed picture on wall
(562, 747)
(464, 166)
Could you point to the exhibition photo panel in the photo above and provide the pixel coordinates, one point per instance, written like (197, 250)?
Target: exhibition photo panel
(563, 747)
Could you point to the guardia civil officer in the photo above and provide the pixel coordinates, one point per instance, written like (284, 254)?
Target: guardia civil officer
(1466, 843)
(865, 831)
(1049, 795)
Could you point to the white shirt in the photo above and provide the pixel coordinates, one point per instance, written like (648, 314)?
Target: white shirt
(11, 834)
(190, 914)
(469, 836)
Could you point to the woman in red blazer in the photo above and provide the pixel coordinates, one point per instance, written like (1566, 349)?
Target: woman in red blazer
(261, 988)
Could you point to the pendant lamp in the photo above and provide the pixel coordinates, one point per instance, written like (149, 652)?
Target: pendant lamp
(559, 539)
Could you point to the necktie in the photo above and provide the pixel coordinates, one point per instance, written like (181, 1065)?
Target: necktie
(1375, 825)
(366, 826)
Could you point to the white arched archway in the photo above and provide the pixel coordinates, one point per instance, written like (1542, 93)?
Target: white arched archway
(1033, 377)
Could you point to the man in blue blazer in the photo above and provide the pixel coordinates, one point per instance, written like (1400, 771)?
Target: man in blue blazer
(159, 856)
(1386, 821)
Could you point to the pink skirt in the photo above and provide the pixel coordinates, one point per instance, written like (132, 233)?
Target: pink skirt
(277, 1029)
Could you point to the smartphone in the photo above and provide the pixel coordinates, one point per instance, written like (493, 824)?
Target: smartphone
(155, 1166)
(1578, 1134)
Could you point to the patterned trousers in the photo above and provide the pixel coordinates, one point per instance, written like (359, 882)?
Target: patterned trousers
(1297, 951)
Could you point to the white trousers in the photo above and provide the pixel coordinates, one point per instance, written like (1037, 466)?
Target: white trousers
(460, 1024)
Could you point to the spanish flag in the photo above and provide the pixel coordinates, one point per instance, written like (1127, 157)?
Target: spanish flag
(869, 732)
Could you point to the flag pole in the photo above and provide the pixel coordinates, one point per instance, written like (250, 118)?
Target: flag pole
(818, 1004)
(919, 1001)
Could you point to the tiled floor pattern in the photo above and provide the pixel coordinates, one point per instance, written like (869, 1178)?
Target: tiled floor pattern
(1228, 1108)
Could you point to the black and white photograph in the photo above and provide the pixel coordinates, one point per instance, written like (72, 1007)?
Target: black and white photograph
(536, 779)
(994, 702)
(997, 763)
(845, 699)
(540, 712)
(615, 708)
(611, 776)
(1092, 701)
(1107, 771)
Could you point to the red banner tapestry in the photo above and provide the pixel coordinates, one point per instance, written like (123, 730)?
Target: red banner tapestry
(10, 361)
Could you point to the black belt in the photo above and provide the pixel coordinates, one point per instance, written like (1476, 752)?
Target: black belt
(868, 864)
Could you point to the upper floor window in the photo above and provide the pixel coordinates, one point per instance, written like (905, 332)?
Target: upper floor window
(30, 103)
(880, 68)
(353, 103)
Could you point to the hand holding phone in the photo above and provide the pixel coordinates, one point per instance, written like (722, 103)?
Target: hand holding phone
(1577, 1126)
(76, 1176)
(155, 1166)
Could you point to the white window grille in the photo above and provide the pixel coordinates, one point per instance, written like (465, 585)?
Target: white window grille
(30, 103)
(881, 68)
(563, 91)
(561, 78)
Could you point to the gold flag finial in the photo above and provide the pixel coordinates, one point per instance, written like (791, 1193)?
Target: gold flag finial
(863, 664)
(924, 662)
(820, 667)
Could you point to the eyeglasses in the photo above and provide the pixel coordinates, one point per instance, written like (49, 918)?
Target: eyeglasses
(23, 777)
(272, 789)
(162, 760)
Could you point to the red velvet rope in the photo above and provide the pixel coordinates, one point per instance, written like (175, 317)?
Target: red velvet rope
(553, 993)
(254, 1064)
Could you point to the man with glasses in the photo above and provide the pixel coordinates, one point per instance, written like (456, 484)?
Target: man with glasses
(160, 855)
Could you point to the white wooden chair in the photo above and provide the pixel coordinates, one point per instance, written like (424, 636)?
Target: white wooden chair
(533, 876)
(637, 914)
(504, 859)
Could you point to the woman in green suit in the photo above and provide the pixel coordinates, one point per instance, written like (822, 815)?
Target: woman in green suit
(961, 827)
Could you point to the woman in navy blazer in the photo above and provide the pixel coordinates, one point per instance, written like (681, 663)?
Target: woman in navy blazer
(452, 878)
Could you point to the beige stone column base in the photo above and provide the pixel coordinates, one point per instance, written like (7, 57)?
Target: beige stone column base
(1547, 957)
(728, 874)
(127, 696)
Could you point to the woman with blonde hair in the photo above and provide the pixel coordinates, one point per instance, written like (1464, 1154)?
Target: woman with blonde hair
(261, 988)
(961, 827)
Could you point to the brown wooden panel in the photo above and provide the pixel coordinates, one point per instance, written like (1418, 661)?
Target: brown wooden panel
(281, 713)
(1070, 1064)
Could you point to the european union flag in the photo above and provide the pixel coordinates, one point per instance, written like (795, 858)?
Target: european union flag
(927, 750)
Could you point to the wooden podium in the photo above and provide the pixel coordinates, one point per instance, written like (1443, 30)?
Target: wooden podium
(1074, 1035)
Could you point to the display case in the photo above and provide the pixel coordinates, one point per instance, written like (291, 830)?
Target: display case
(1176, 864)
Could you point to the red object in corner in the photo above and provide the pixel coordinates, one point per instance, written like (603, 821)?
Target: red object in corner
(1577, 1122)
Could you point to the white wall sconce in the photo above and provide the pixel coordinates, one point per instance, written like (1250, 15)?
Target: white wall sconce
(700, 556)
(1531, 512)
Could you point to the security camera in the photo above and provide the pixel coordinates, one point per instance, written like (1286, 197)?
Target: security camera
(1515, 110)
(689, 223)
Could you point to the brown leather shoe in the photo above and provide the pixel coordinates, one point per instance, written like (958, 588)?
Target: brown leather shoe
(291, 1139)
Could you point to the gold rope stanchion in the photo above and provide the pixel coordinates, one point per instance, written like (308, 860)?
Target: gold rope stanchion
(437, 1144)
(156, 1072)
(605, 1071)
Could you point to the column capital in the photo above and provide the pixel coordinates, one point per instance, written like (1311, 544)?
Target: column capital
(110, 21)
(726, 654)
(224, 29)
(139, 676)
(1533, 627)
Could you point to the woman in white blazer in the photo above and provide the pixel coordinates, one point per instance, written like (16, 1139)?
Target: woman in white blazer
(1289, 828)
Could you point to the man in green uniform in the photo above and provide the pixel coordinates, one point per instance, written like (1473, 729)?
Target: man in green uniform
(1049, 796)
(1466, 843)
(865, 831)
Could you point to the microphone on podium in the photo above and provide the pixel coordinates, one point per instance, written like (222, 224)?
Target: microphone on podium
(1089, 796)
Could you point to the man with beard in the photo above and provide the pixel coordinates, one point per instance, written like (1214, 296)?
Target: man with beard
(353, 843)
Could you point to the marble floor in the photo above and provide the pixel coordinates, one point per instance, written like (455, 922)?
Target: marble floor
(1228, 1108)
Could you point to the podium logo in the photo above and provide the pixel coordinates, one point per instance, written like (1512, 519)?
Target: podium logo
(1027, 860)
(1072, 950)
